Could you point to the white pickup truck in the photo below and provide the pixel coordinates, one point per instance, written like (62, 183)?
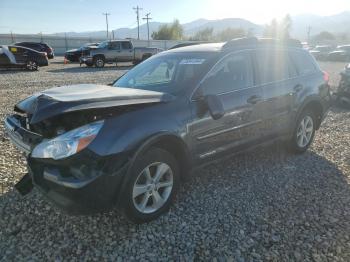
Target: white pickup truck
(115, 51)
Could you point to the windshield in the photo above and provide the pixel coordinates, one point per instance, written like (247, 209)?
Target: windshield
(168, 72)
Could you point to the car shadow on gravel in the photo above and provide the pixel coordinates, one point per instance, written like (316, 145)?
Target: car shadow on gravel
(266, 204)
(85, 69)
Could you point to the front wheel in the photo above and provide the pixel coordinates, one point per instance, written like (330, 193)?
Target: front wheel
(304, 132)
(99, 62)
(151, 186)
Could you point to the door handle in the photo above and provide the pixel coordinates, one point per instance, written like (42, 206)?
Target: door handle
(254, 99)
(297, 88)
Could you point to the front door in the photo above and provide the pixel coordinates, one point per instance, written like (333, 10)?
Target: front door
(232, 81)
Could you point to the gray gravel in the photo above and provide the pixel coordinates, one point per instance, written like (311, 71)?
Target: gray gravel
(262, 206)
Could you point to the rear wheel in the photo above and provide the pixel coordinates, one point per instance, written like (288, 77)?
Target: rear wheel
(151, 186)
(304, 132)
(99, 61)
(32, 65)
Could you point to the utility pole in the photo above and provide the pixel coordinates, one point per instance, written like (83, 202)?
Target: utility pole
(308, 34)
(106, 14)
(147, 18)
(12, 38)
(137, 9)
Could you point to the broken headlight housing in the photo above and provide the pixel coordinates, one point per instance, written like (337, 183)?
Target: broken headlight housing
(68, 143)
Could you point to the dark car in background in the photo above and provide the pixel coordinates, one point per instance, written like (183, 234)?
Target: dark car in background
(320, 52)
(41, 47)
(74, 55)
(91, 147)
(341, 53)
(22, 57)
(343, 91)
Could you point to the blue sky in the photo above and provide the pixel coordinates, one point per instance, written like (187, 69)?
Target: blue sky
(49, 16)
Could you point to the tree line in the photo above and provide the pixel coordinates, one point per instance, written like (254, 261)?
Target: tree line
(275, 29)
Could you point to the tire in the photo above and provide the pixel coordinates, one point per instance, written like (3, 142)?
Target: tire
(99, 61)
(142, 203)
(89, 64)
(303, 138)
(32, 65)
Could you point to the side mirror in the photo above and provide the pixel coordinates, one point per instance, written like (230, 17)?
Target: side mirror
(215, 106)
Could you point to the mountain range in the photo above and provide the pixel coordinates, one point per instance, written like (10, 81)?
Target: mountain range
(337, 24)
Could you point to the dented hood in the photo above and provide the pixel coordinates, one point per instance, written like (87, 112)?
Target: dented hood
(64, 99)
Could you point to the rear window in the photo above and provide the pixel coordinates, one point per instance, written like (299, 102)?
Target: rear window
(303, 62)
(126, 45)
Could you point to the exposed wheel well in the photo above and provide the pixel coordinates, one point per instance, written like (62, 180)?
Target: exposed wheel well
(178, 149)
(102, 56)
(317, 109)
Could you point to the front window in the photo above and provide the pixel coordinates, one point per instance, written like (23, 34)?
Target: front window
(168, 73)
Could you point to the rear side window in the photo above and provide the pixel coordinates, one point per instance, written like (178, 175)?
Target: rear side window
(303, 62)
(126, 45)
(114, 45)
(234, 72)
(273, 65)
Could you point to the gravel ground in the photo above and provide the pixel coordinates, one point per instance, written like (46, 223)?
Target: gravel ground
(263, 206)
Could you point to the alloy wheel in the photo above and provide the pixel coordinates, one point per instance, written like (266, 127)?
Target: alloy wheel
(305, 131)
(153, 187)
(31, 65)
(99, 62)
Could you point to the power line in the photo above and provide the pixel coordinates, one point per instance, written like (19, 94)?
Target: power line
(137, 9)
(106, 14)
(147, 18)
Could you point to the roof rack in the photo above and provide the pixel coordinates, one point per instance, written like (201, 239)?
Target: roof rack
(253, 41)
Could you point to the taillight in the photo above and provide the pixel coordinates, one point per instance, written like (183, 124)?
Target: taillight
(325, 77)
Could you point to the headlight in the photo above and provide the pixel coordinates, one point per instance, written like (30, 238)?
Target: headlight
(69, 143)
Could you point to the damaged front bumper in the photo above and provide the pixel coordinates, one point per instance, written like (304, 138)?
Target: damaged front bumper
(86, 60)
(81, 184)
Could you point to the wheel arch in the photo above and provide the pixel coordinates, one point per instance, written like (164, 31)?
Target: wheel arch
(316, 107)
(171, 143)
(99, 55)
(167, 141)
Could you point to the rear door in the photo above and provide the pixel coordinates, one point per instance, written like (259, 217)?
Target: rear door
(126, 53)
(232, 81)
(275, 73)
(19, 53)
(113, 51)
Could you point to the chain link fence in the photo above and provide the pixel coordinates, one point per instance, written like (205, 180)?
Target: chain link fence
(60, 44)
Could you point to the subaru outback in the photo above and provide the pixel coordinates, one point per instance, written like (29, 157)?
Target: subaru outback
(130, 144)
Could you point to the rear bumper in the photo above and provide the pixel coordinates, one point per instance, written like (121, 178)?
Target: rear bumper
(43, 61)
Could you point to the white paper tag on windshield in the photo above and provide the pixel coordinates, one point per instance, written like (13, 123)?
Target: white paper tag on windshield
(192, 61)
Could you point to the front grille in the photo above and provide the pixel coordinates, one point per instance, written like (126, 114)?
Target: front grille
(20, 136)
